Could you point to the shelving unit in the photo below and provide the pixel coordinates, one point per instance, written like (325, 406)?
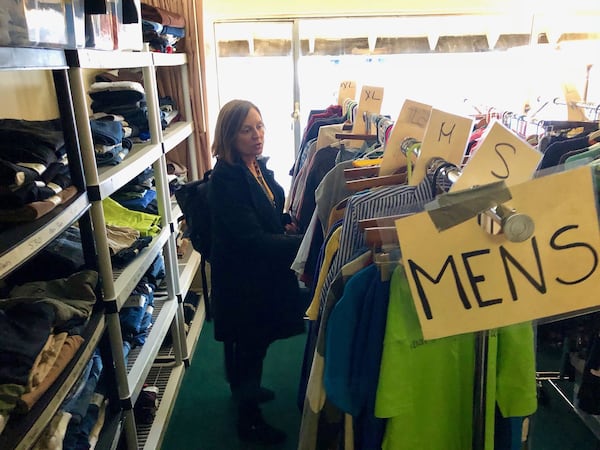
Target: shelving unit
(24, 241)
(73, 71)
(101, 183)
(167, 372)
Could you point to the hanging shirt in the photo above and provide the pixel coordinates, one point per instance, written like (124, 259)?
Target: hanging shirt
(379, 202)
(431, 382)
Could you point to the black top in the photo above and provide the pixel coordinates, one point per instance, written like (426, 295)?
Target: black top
(254, 292)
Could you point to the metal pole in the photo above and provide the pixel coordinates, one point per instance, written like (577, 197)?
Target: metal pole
(479, 389)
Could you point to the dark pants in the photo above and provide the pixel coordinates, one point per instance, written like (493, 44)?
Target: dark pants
(243, 368)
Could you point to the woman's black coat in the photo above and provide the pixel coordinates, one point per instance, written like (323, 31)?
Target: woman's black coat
(254, 294)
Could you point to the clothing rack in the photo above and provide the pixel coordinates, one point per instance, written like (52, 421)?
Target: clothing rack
(592, 107)
(381, 231)
(521, 124)
(444, 174)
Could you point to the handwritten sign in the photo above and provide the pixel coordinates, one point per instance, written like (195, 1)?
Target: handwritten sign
(347, 90)
(501, 156)
(446, 137)
(463, 279)
(412, 123)
(370, 101)
(572, 97)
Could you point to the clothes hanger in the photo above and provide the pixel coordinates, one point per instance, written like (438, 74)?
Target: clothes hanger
(377, 181)
(354, 173)
(594, 137)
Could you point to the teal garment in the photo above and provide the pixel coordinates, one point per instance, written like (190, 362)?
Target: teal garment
(592, 153)
(343, 326)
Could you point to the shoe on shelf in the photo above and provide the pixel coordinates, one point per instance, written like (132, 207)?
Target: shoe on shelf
(257, 431)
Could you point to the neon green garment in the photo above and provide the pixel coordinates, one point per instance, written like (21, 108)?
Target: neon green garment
(115, 214)
(426, 387)
(511, 375)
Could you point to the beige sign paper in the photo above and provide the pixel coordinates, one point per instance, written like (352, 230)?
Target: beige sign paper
(463, 279)
(347, 91)
(370, 101)
(412, 123)
(446, 137)
(572, 97)
(501, 156)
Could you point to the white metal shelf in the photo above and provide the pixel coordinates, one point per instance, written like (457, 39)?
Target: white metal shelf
(112, 178)
(128, 278)
(98, 59)
(169, 59)
(140, 359)
(33, 424)
(14, 58)
(104, 181)
(188, 266)
(175, 134)
(21, 243)
(168, 381)
(196, 327)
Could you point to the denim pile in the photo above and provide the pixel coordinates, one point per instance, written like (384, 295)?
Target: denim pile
(120, 114)
(161, 29)
(139, 193)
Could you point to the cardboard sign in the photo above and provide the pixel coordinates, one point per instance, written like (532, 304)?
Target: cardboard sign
(370, 101)
(501, 156)
(463, 279)
(412, 122)
(447, 136)
(347, 90)
(572, 97)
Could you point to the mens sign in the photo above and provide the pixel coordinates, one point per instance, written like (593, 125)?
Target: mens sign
(464, 279)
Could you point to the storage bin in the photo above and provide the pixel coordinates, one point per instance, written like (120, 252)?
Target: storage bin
(42, 23)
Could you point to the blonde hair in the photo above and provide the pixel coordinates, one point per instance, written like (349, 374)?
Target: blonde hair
(229, 122)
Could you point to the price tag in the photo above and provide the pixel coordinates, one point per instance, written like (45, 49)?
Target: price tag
(501, 156)
(463, 279)
(447, 136)
(412, 123)
(370, 101)
(347, 90)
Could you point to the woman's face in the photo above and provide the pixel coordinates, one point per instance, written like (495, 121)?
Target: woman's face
(250, 137)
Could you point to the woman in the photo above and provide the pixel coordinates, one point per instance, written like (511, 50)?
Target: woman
(254, 294)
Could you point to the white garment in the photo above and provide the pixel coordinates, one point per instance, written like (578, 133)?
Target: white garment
(302, 256)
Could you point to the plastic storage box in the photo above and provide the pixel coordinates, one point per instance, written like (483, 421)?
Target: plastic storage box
(37, 23)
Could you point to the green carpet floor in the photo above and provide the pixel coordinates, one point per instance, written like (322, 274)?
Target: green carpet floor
(204, 416)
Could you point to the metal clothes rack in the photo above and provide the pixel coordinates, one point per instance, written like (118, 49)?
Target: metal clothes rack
(589, 106)
(522, 124)
(444, 174)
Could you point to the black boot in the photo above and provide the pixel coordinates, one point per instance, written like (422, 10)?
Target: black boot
(263, 395)
(252, 427)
